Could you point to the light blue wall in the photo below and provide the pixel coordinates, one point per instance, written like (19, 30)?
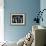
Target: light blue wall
(43, 6)
(29, 8)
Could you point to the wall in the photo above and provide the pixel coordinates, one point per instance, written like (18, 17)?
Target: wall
(29, 8)
(43, 6)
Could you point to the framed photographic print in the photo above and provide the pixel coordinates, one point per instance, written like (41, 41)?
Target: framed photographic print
(17, 19)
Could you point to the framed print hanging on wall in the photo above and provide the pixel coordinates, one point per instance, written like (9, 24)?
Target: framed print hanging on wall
(17, 19)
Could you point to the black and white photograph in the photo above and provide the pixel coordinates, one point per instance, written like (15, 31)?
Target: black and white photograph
(17, 19)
